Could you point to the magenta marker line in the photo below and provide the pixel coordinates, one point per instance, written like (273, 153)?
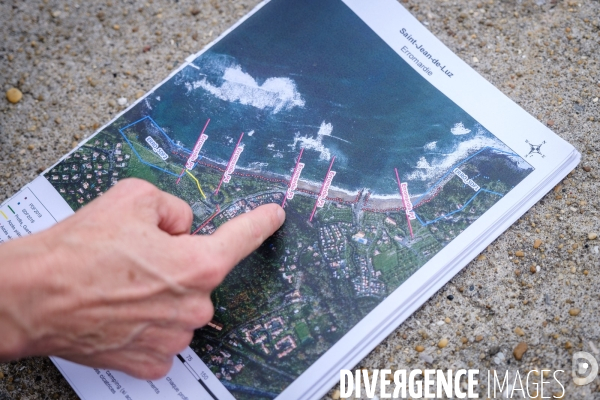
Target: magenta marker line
(404, 204)
(229, 163)
(322, 188)
(197, 141)
(292, 177)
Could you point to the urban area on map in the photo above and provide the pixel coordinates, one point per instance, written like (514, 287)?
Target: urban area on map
(284, 306)
(376, 177)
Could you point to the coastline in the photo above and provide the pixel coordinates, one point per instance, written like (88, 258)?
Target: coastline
(379, 202)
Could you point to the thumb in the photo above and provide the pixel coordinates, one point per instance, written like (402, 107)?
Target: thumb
(236, 239)
(169, 213)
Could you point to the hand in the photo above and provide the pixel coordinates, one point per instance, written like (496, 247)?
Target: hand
(121, 284)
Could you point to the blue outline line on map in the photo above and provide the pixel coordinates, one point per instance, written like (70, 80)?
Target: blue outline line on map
(164, 134)
(459, 210)
(450, 171)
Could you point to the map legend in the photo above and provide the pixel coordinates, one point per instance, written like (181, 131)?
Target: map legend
(22, 215)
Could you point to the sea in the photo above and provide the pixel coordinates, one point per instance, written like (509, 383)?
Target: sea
(312, 75)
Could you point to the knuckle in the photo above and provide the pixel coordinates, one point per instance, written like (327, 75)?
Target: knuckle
(157, 370)
(135, 192)
(181, 342)
(202, 271)
(213, 277)
(149, 368)
(181, 205)
(198, 312)
(210, 273)
(188, 214)
(204, 313)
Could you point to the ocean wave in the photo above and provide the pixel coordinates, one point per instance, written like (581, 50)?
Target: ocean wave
(316, 144)
(276, 94)
(441, 163)
(325, 129)
(257, 166)
(317, 185)
(459, 129)
(423, 164)
(394, 196)
(430, 146)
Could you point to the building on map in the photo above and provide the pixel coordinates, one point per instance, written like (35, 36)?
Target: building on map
(361, 240)
(215, 325)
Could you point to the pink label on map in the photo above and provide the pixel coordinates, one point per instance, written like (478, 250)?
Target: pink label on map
(196, 152)
(325, 191)
(406, 201)
(294, 182)
(232, 164)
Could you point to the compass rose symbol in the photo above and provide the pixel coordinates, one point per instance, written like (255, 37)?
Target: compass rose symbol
(535, 149)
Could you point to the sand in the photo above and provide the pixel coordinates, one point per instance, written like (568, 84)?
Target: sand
(74, 61)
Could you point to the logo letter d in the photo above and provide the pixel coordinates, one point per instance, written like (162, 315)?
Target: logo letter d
(581, 367)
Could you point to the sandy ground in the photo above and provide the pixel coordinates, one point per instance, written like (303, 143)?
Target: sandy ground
(74, 60)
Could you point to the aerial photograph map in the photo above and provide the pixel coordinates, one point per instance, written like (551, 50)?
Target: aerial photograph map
(305, 106)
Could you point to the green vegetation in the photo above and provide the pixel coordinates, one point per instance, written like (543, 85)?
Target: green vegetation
(284, 306)
(303, 333)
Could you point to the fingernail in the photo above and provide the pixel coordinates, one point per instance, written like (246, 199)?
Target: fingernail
(281, 215)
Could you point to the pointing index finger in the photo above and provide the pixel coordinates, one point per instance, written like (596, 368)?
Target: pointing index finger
(237, 238)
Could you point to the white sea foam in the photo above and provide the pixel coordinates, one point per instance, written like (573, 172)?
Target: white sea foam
(310, 143)
(459, 129)
(325, 129)
(395, 196)
(521, 163)
(251, 133)
(257, 166)
(238, 86)
(423, 164)
(430, 146)
(441, 163)
(332, 188)
(315, 184)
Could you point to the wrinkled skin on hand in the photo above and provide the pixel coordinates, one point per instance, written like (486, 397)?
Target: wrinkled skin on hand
(121, 284)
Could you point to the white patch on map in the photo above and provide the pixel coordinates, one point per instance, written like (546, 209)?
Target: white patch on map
(257, 166)
(459, 129)
(310, 143)
(276, 94)
(430, 146)
(423, 164)
(251, 133)
(442, 163)
(325, 129)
